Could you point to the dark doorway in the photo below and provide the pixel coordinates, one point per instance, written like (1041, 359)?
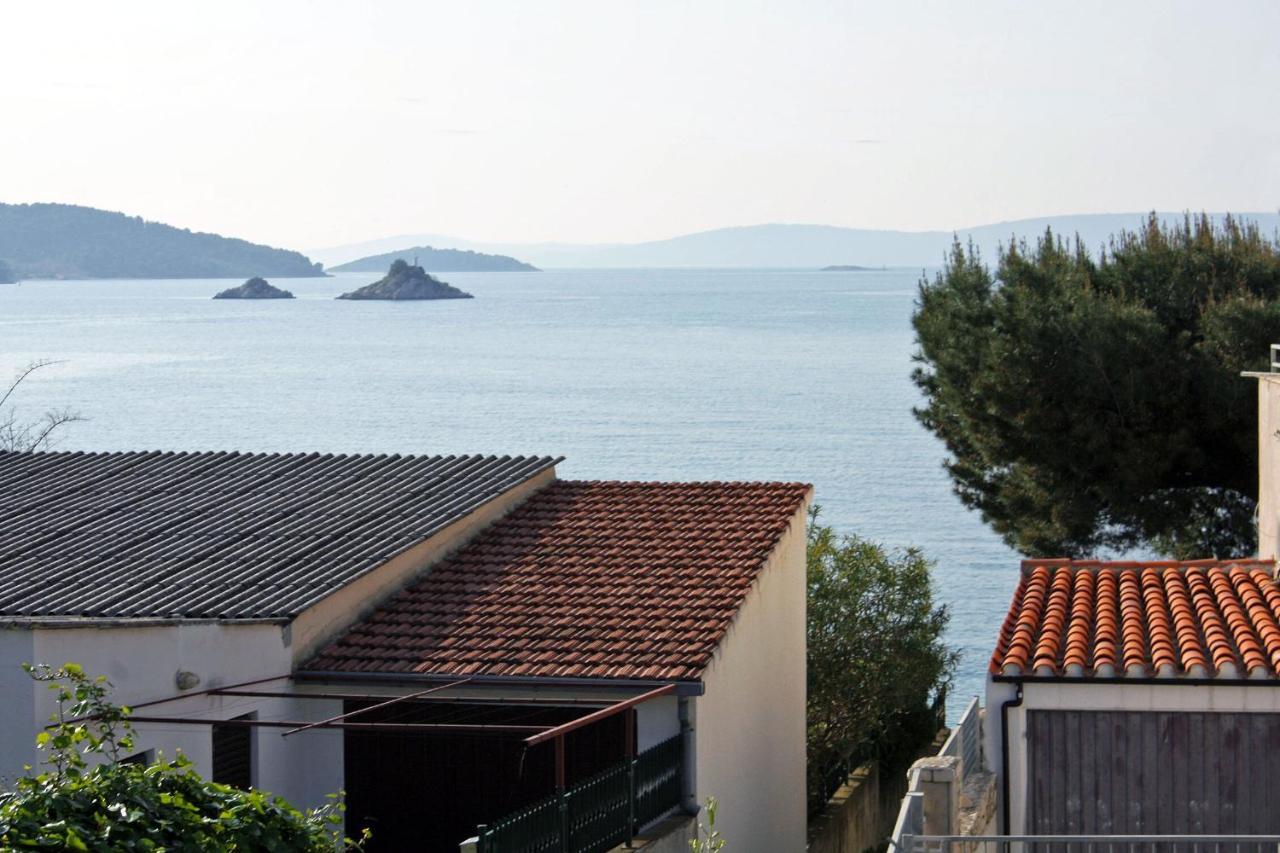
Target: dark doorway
(233, 754)
(428, 792)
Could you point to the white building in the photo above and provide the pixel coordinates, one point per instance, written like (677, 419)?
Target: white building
(1144, 698)
(534, 633)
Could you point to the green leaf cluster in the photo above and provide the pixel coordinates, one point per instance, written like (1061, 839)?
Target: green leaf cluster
(876, 655)
(88, 800)
(1093, 405)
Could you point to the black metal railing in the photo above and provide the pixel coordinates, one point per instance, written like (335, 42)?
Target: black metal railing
(596, 814)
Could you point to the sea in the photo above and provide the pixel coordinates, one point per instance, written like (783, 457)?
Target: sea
(648, 374)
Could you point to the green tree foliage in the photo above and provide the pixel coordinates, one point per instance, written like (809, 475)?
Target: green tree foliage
(1095, 405)
(86, 800)
(876, 657)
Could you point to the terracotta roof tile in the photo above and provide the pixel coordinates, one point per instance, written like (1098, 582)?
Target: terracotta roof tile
(1159, 619)
(585, 579)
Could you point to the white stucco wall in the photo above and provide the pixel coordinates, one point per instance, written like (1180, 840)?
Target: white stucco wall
(1137, 696)
(749, 725)
(1268, 464)
(141, 663)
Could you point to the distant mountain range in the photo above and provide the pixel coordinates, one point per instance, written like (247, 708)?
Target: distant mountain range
(438, 260)
(68, 241)
(786, 246)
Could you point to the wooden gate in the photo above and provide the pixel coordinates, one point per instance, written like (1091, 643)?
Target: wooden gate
(1153, 772)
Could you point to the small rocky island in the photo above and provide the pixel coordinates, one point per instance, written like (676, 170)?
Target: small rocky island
(405, 281)
(6, 274)
(847, 268)
(254, 288)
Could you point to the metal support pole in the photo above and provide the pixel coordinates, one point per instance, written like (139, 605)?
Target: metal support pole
(688, 789)
(630, 737)
(561, 797)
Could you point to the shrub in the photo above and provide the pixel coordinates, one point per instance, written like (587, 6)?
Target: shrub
(87, 800)
(876, 657)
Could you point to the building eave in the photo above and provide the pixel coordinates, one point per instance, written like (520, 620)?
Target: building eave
(683, 687)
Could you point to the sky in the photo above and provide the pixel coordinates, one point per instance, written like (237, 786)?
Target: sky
(312, 124)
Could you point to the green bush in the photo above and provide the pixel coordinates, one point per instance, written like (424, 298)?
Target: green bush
(876, 657)
(87, 800)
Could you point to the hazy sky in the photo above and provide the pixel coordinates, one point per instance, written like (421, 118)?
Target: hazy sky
(313, 123)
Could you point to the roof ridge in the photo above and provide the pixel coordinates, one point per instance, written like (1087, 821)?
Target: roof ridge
(1029, 565)
(267, 454)
(774, 483)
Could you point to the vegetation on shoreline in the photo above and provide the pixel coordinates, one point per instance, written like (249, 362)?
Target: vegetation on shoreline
(439, 260)
(68, 241)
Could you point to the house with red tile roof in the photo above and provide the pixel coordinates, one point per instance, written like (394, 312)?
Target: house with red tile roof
(1143, 698)
(477, 652)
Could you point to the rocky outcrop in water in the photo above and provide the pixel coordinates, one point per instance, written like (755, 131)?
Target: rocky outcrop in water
(404, 281)
(254, 288)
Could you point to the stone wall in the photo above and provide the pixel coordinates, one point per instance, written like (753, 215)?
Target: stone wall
(860, 815)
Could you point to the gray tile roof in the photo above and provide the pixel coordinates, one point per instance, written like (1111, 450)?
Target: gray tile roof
(220, 535)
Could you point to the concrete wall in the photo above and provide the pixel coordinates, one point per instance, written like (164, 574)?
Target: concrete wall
(749, 726)
(855, 816)
(1264, 698)
(1268, 464)
(17, 704)
(142, 662)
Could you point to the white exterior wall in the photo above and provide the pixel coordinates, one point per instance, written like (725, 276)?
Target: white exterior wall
(17, 705)
(1104, 697)
(1268, 464)
(749, 725)
(141, 662)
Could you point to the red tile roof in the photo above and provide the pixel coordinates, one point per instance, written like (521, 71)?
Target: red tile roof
(585, 579)
(1158, 619)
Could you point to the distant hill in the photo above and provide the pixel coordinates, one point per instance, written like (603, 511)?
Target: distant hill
(793, 246)
(439, 260)
(848, 268)
(68, 241)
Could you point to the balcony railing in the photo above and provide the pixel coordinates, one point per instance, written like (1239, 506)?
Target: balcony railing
(965, 741)
(910, 843)
(598, 813)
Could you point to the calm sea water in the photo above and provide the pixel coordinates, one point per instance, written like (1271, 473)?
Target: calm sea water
(636, 374)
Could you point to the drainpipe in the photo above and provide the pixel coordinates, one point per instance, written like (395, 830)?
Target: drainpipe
(1005, 820)
(688, 793)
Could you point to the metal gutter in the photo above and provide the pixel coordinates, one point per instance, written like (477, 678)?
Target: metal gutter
(1005, 819)
(67, 622)
(683, 688)
(1136, 682)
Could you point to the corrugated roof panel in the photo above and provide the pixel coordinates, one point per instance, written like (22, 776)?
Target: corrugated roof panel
(220, 535)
